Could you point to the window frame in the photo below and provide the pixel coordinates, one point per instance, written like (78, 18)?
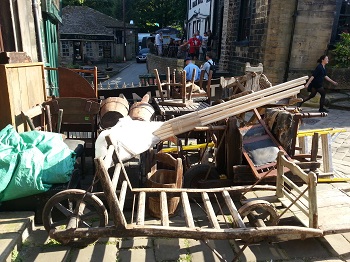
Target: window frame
(245, 15)
(65, 52)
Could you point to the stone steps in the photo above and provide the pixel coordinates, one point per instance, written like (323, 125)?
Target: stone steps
(15, 228)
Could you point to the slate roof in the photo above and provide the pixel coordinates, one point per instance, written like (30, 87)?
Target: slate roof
(85, 20)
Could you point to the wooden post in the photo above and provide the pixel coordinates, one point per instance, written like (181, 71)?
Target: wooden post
(279, 180)
(313, 211)
(327, 153)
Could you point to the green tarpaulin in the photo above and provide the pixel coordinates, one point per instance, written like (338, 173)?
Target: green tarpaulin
(31, 162)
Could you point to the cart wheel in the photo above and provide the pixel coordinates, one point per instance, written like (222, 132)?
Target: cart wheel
(61, 207)
(199, 172)
(260, 209)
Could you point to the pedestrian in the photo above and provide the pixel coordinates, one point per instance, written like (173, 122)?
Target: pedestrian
(315, 82)
(194, 44)
(159, 43)
(189, 70)
(204, 45)
(182, 50)
(210, 40)
(198, 35)
(208, 64)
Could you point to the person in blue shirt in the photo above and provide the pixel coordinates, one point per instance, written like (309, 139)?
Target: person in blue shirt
(315, 82)
(189, 70)
(207, 64)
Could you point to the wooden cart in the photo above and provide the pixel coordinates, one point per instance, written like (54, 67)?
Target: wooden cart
(79, 218)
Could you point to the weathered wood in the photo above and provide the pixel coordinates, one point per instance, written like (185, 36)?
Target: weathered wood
(210, 211)
(164, 209)
(22, 86)
(118, 216)
(187, 210)
(237, 220)
(253, 235)
(140, 220)
(122, 194)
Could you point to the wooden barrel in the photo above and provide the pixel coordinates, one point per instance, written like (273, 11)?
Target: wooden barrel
(111, 110)
(162, 178)
(141, 111)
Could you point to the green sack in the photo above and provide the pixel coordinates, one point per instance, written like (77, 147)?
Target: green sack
(31, 162)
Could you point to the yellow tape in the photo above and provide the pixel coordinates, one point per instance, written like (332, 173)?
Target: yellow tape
(333, 180)
(185, 148)
(320, 131)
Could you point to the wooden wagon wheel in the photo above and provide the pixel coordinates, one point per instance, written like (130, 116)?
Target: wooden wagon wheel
(74, 208)
(260, 212)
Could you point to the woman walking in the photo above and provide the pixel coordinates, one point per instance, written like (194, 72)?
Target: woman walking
(315, 82)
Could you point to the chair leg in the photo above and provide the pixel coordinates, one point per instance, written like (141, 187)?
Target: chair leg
(83, 163)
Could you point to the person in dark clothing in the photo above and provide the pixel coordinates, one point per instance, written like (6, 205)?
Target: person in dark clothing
(315, 82)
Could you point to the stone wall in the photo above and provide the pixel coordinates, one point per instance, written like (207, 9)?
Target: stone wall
(287, 37)
(161, 63)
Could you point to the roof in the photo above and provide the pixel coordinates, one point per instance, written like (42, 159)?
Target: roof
(85, 20)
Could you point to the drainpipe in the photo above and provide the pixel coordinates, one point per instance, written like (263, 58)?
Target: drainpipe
(285, 77)
(38, 31)
(14, 26)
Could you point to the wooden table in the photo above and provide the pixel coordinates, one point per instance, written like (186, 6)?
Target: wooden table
(173, 111)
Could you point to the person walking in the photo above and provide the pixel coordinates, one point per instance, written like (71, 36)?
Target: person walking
(159, 43)
(204, 45)
(208, 64)
(315, 82)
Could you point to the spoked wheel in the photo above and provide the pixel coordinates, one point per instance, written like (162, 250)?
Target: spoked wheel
(259, 212)
(74, 208)
(199, 172)
(195, 174)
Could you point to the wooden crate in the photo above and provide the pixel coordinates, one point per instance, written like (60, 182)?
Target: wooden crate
(22, 86)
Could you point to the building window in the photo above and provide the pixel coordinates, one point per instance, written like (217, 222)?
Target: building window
(244, 20)
(344, 19)
(200, 1)
(100, 49)
(89, 50)
(65, 48)
(194, 3)
(341, 22)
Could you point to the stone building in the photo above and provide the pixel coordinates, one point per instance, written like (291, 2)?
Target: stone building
(87, 35)
(287, 37)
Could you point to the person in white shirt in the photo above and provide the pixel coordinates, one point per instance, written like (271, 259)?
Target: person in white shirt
(159, 43)
(207, 64)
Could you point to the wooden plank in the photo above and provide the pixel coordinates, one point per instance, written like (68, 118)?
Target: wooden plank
(327, 153)
(187, 210)
(210, 211)
(237, 220)
(140, 220)
(116, 175)
(122, 194)
(164, 209)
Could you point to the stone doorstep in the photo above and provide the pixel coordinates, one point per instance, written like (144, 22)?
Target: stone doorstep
(15, 228)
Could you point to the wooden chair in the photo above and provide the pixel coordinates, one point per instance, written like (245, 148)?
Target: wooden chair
(39, 118)
(260, 148)
(178, 93)
(79, 119)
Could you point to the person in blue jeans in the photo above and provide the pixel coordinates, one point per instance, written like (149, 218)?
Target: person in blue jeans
(315, 83)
